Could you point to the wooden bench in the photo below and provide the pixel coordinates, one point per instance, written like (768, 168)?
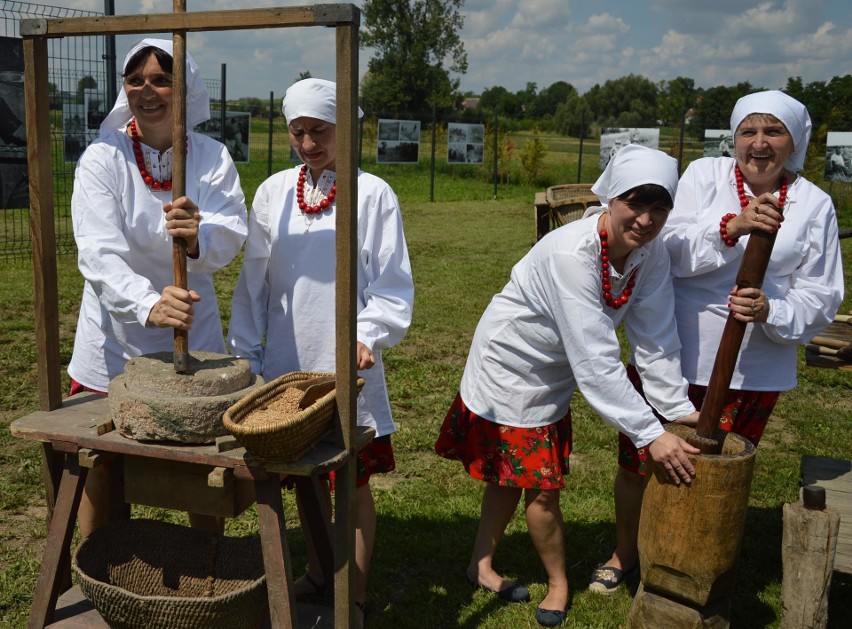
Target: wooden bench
(835, 476)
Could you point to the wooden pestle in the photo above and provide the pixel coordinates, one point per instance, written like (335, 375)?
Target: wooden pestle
(750, 275)
(181, 354)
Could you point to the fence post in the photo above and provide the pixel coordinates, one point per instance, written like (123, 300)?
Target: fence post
(222, 105)
(269, 150)
(582, 133)
(432, 168)
(109, 57)
(496, 151)
(680, 148)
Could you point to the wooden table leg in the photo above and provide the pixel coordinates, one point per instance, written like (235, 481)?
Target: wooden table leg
(344, 544)
(276, 552)
(312, 499)
(53, 463)
(56, 553)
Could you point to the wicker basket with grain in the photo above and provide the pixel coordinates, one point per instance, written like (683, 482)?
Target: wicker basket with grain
(147, 574)
(269, 423)
(568, 202)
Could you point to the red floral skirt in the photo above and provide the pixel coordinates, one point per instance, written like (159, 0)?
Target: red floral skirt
(530, 458)
(374, 458)
(744, 413)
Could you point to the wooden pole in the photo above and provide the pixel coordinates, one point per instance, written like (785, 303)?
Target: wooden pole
(808, 546)
(346, 247)
(750, 275)
(181, 355)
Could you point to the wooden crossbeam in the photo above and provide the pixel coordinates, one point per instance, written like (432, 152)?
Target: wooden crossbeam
(235, 19)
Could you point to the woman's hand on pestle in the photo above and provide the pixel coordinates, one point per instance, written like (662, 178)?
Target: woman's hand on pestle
(174, 310)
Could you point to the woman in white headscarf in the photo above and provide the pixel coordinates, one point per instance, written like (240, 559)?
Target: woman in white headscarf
(720, 201)
(552, 330)
(283, 309)
(124, 221)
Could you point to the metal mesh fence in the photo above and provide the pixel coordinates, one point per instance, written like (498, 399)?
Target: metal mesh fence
(81, 84)
(77, 86)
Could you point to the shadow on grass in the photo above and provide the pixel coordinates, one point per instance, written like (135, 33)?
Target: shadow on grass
(418, 577)
(418, 574)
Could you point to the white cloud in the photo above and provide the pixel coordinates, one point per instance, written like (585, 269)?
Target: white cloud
(511, 43)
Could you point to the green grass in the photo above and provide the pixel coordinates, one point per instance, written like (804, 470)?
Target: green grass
(462, 249)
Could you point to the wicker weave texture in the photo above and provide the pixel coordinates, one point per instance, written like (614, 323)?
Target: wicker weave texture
(292, 435)
(148, 574)
(566, 193)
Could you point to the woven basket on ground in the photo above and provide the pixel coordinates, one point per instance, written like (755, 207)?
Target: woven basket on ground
(148, 574)
(568, 202)
(284, 436)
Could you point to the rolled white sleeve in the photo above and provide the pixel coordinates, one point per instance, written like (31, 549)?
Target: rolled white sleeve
(388, 289)
(801, 305)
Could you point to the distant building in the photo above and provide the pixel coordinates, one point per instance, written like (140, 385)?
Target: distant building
(471, 102)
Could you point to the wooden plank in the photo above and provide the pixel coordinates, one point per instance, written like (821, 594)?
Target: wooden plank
(182, 487)
(75, 611)
(839, 331)
(346, 289)
(233, 19)
(78, 420)
(835, 476)
(46, 292)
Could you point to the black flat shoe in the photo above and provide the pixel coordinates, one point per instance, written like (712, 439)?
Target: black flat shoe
(606, 579)
(515, 593)
(551, 617)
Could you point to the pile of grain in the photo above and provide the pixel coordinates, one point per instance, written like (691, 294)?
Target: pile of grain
(285, 404)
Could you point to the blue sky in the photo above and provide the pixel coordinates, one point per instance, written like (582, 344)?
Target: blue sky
(513, 42)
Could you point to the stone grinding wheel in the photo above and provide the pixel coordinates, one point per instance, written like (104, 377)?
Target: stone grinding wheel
(151, 402)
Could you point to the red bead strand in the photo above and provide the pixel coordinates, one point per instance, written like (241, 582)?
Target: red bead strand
(166, 184)
(606, 285)
(300, 195)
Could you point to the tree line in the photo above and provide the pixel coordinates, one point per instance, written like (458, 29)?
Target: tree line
(635, 101)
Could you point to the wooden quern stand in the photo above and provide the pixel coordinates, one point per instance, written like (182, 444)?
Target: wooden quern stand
(690, 535)
(75, 433)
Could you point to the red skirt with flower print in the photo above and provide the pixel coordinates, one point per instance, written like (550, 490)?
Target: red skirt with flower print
(744, 413)
(529, 458)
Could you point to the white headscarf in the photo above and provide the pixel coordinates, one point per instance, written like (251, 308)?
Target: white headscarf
(636, 165)
(788, 110)
(197, 97)
(313, 98)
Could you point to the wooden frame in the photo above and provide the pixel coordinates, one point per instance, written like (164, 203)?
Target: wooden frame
(345, 18)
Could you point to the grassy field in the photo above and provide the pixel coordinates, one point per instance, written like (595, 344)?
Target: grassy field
(462, 248)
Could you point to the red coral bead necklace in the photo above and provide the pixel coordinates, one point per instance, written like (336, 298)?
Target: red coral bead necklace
(165, 184)
(300, 195)
(606, 284)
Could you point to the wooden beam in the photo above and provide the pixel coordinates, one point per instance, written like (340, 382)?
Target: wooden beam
(46, 288)
(346, 323)
(234, 19)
